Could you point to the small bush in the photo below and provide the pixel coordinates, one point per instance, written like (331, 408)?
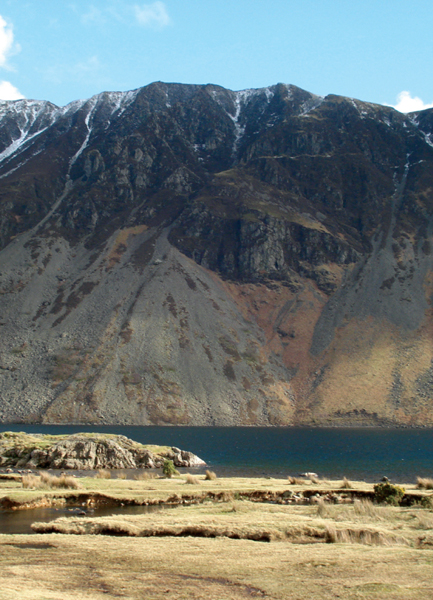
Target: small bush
(169, 469)
(387, 493)
(103, 474)
(210, 475)
(191, 479)
(424, 483)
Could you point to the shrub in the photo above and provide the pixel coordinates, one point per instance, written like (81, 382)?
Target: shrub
(426, 502)
(388, 493)
(168, 468)
(210, 475)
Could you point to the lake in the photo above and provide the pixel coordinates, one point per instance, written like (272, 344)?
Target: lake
(357, 453)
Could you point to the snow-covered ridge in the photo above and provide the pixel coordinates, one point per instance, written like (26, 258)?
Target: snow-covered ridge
(24, 120)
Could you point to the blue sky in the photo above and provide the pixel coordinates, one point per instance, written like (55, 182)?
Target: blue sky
(63, 50)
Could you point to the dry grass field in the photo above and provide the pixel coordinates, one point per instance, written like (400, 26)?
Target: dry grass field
(229, 547)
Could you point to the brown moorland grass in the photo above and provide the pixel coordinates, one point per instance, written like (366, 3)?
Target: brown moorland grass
(362, 523)
(87, 567)
(373, 552)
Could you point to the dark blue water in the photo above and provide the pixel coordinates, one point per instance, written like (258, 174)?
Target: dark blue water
(369, 453)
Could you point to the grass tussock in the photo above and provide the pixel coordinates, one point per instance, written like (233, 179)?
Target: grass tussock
(210, 475)
(366, 508)
(103, 474)
(121, 475)
(47, 481)
(191, 479)
(323, 510)
(424, 483)
(143, 475)
(315, 480)
(120, 528)
(361, 536)
(346, 484)
(424, 521)
(296, 480)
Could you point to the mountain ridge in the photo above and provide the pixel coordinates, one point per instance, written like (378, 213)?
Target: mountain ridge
(186, 254)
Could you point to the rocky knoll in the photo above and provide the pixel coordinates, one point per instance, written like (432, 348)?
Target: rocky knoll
(191, 255)
(86, 452)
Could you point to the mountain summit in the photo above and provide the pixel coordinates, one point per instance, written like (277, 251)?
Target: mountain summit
(186, 254)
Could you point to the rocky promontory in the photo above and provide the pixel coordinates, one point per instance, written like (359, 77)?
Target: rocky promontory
(87, 451)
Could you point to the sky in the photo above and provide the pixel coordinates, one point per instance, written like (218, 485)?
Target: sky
(63, 50)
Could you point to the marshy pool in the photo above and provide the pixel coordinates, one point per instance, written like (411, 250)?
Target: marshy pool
(20, 521)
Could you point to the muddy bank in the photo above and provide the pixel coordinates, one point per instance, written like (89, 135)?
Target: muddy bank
(91, 500)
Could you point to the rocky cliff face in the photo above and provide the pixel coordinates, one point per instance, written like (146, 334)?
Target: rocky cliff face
(191, 255)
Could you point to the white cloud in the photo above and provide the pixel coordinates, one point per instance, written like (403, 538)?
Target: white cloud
(7, 48)
(9, 91)
(405, 103)
(152, 15)
(6, 41)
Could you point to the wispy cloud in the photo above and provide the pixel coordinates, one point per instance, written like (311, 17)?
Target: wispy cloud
(80, 71)
(406, 103)
(9, 91)
(92, 16)
(152, 15)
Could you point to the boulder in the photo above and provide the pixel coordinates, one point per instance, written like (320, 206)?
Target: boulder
(182, 458)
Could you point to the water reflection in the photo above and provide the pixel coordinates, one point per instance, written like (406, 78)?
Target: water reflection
(20, 521)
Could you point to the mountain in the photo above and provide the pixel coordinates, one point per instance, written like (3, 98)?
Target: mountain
(186, 254)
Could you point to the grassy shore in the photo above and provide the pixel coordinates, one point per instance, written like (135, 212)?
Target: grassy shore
(226, 538)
